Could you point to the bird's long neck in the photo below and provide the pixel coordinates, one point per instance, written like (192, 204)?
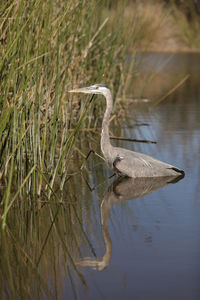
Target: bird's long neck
(106, 146)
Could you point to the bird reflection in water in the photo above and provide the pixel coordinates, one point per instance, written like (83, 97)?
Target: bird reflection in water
(121, 190)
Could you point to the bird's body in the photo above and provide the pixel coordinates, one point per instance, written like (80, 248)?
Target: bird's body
(126, 162)
(134, 164)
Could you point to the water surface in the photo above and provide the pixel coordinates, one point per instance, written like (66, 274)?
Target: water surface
(136, 239)
(156, 239)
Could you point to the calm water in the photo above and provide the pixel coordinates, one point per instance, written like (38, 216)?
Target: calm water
(136, 239)
(153, 242)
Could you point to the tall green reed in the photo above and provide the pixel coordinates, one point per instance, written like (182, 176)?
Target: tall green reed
(46, 48)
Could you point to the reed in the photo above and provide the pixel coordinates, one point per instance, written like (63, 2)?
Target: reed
(46, 48)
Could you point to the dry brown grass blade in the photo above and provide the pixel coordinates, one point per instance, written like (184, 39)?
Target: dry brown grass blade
(85, 52)
(172, 90)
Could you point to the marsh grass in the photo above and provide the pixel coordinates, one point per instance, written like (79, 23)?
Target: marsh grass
(46, 48)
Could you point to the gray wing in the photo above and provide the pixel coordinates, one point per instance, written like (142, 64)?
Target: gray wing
(134, 164)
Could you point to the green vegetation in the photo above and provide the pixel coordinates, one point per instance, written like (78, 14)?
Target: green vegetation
(48, 47)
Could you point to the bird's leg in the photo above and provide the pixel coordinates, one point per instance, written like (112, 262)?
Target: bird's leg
(95, 153)
(88, 184)
(86, 158)
(111, 176)
(114, 163)
(91, 151)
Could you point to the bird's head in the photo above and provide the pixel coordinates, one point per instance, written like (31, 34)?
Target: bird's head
(93, 89)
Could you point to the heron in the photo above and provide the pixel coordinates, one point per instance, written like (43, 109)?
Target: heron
(123, 161)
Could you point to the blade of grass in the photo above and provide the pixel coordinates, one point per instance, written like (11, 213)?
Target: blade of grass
(8, 206)
(172, 90)
(7, 195)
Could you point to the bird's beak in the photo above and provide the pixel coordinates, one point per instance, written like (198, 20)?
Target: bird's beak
(85, 90)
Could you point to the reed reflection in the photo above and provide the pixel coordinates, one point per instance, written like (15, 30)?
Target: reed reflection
(121, 190)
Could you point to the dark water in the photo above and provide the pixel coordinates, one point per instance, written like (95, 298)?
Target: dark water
(136, 239)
